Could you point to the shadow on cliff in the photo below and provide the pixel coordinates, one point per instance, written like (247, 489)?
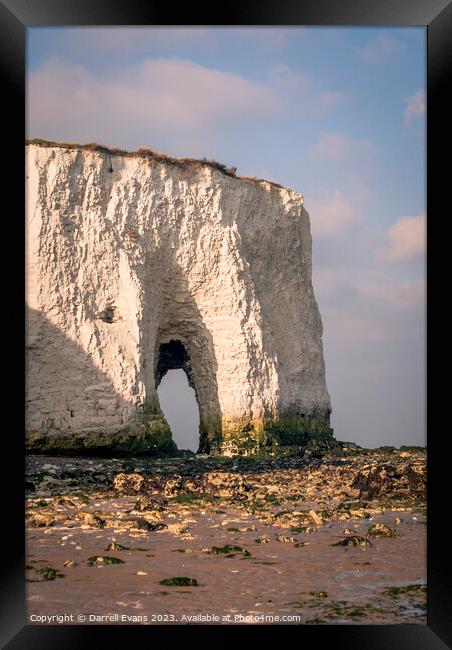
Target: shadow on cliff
(69, 400)
(183, 341)
(72, 407)
(65, 391)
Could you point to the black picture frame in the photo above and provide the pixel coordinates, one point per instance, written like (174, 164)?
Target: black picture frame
(15, 17)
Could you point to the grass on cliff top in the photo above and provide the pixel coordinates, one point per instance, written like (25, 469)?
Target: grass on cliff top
(146, 152)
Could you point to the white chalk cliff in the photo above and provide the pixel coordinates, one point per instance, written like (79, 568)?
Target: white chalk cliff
(138, 263)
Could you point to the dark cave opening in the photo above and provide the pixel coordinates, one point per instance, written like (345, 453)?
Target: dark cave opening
(171, 356)
(177, 397)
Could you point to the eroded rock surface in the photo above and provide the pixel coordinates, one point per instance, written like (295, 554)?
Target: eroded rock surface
(137, 264)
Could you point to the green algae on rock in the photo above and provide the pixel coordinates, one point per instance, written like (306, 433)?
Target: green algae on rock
(114, 546)
(227, 549)
(103, 559)
(381, 530)
(179, 581)
(49, 573)
(354, 540)
(393, 592)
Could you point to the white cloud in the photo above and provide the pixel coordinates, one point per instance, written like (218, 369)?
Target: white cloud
(406, 239)
(336, 146)
(282, 76)
(398, 296)
(333, 215)
(291, 84)
(370, 287)
(125, 41)
(416, 107)
(168, 103)
(130, 39)
(367, 306)
(381, 48)
(66, 102)
(328, 99)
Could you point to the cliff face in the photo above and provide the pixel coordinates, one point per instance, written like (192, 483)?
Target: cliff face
(157, 265)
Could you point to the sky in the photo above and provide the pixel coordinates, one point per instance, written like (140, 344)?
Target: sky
(338, 114)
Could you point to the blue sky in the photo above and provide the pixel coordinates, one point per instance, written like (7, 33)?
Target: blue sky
(335, 113)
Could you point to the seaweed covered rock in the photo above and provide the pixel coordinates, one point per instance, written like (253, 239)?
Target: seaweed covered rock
(396, 481)
(129, 484)
(226, 484)
(381, 530)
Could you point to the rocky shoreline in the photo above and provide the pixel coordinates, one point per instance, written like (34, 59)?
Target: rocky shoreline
(330, 537)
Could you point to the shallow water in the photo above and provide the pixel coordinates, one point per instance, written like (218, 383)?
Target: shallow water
(278, 579)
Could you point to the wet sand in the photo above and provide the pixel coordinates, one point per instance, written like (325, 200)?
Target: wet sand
(282, 523)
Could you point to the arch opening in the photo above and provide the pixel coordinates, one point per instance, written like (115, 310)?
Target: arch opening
(177, 396)
(178, 403)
